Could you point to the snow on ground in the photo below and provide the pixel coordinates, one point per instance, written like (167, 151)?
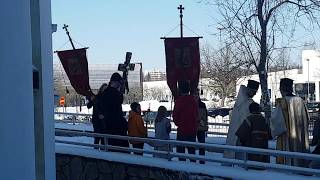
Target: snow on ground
(209, 169)
(74, 126)
(153, 105)
(194, 168)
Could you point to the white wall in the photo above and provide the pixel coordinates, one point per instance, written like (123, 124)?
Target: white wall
(17, 127)
(163, 86)
(311, 67)
(16, 104)
(47, 85)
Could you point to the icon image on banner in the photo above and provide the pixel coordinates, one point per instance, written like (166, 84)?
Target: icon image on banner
(185, 60)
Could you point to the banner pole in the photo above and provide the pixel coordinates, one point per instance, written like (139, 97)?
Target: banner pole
(181, 8)
(65, 28)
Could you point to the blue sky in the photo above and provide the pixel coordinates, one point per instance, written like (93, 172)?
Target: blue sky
(110, 28)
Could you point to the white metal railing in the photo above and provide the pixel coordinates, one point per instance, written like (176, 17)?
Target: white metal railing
(215, 128)
(208, 147)
(72, 118)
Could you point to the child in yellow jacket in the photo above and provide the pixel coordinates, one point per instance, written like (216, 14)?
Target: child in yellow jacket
(136, 126)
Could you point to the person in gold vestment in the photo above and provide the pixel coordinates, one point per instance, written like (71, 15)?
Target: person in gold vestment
(292, 135)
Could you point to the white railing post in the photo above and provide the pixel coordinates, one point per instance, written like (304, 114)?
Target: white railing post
(74, 120)
(246, 161)
(105, 143)
(169, 152)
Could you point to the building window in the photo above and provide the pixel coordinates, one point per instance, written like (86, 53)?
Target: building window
(301, 90)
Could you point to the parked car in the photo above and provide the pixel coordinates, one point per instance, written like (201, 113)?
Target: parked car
(150, 116)
(313, 106)
(213, 112)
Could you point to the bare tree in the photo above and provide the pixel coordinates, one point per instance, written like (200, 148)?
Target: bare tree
(134, 95)
(147, 77)
(259, 26)
(155, 93)
(281, 62)
(223, 67)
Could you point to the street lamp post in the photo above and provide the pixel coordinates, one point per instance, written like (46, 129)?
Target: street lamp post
(308, 99)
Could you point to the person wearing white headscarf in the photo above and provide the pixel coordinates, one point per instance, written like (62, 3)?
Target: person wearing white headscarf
(239, 114)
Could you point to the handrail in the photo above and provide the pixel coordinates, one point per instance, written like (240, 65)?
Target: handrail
(82, 114)
(207, 147)
(75, 114)
(223, 125)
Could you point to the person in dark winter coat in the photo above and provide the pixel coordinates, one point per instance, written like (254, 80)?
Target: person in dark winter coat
(97, 117)
(111, 107)
(316, 142)
(255, 132)
(202, 124)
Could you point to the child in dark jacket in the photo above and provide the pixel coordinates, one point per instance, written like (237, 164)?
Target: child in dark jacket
(255, 132)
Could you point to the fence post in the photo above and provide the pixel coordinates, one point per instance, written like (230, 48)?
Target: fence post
(105, 143)
(73, 119)
(169, 152)
(245, 160)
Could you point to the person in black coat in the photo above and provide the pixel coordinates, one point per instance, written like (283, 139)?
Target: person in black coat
(316, 142)
(111, 107)
(97, 117)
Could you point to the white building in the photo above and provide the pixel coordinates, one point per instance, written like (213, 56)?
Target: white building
(159, 90)
(98, 74)
(156, 75)
(308, 76)
(27, 125)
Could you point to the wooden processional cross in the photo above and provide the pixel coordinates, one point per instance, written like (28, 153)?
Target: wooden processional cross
(181, 8)
(125, 68)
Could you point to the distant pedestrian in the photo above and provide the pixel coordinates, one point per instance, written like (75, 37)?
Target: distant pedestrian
(136, 126)
(185, 116)
(162, 130)
(111, 107)
(97, 117)
(255, 132)
(202, 124)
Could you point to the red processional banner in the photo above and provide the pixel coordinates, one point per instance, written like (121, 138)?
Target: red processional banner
(182, 62)
(75, 65)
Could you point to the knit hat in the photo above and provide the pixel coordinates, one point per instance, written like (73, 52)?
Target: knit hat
(254, 108)
(134, 106)
(253, 84)
(116, 77)
(286, 84)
